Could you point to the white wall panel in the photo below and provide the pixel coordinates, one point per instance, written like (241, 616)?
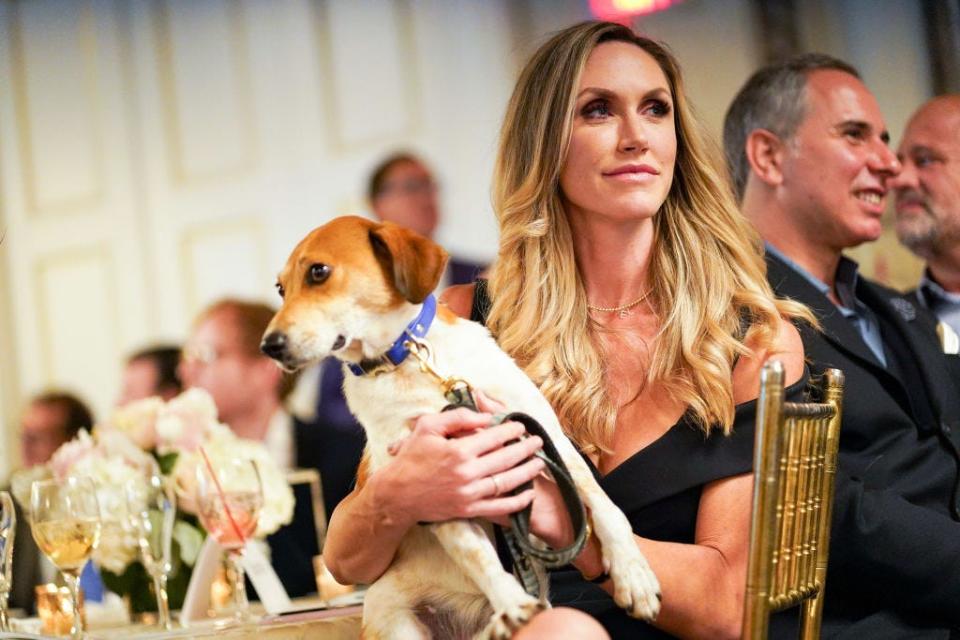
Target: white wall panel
(370, 70)
(226, 259)
(77, 314)
(205, 79)
(461, 44)
(56, 89)
(69, 209)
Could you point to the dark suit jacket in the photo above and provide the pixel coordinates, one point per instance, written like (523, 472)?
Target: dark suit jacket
(26, 566)
(333, 441)
(953, 363)
(895, 548)
(293, 546)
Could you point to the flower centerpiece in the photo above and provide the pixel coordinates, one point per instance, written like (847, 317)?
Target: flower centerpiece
(155, 436)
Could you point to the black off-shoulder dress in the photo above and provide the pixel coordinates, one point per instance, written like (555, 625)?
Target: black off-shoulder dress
(659, 489)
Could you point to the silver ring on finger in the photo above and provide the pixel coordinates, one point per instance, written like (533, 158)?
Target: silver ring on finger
(496, 485)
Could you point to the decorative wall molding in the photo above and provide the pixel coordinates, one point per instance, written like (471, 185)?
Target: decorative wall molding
(36, 178)
(404, 69)
(180, 141)
(76, 289)
(228, 257)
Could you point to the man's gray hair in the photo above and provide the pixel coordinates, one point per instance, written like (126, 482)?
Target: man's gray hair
(772, 99)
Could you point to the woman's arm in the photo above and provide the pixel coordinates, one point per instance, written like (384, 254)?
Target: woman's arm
(441, 471)
(703, 584)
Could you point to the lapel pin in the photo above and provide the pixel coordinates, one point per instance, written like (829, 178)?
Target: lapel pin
(904, 308)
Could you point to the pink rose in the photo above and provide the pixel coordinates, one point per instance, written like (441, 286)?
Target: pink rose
(70, 453)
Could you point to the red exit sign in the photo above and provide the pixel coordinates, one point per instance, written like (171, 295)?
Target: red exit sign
(619, 10)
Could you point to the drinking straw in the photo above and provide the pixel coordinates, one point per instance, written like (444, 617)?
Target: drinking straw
(223, 497)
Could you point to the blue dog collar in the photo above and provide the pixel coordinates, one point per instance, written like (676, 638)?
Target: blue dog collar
(397, 353)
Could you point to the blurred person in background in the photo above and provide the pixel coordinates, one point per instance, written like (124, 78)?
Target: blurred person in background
(222, 356)
(928, 203)
(808, 150)
(403, 190)
(151, 372)
(49, 420)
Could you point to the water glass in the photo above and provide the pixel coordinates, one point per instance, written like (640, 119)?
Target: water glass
(8, 530)
(152, 507)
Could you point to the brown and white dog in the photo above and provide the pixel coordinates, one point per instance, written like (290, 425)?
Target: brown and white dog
(349, 289)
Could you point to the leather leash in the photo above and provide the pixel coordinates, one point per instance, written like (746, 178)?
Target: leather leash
(529, 558)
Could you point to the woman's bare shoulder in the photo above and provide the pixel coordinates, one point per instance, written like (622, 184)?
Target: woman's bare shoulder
(459, 299)
(787, 347)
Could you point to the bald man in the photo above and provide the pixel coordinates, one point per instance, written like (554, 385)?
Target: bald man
(928, 202)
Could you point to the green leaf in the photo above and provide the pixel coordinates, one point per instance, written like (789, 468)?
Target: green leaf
(189, 538)
(166, 462)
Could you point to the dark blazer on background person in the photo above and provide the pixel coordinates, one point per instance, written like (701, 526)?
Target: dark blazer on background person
(333, 441)
(914, 295)
(26, 572)
(460, 271)
(895, 547)
(293, 546)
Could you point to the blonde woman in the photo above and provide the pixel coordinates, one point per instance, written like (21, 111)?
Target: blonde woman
(633, 293)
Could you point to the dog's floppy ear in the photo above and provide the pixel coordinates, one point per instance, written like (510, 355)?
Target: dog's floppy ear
(415, 262)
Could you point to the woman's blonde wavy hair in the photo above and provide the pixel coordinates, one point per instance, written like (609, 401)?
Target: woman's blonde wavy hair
(706, 267)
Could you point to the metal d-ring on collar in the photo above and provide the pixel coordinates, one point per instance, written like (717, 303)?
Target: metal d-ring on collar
(397, 353)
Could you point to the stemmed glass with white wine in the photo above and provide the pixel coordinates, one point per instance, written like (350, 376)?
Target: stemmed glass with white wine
(8, 529)
(229, 498)
(152, 507)
(65, 520)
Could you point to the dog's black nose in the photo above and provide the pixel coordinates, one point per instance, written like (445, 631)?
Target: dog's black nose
(274, 345)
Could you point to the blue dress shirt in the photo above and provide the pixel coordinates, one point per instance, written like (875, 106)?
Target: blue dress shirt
(859, 315)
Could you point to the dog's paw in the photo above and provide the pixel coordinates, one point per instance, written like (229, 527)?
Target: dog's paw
(635, 587)
(508, 621)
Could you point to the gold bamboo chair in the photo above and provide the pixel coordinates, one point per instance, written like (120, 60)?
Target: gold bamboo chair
(795, 462)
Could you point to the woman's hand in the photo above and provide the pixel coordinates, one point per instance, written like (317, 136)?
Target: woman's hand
(549, 519)
(443, 469)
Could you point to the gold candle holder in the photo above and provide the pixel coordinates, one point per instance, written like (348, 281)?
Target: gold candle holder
(221, 592)
(327, 586)
(55, 610)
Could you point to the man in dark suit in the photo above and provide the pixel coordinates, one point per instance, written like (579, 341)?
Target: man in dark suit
(223, 357)
(807, 147)
(928, 203)
(49, 420)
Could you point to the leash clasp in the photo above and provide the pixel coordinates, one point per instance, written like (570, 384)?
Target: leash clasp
(456, 390)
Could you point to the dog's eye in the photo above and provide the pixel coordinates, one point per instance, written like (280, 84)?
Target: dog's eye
(280, 289)
(318, 273)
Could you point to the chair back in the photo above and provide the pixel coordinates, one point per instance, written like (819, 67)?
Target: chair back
(795, 462)
(309, 508)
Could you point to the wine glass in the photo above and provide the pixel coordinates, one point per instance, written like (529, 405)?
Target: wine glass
(152, 506)
(8, 530)
(229, 497)
(65, 520)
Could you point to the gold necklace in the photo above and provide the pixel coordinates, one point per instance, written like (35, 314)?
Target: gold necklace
(622, 310)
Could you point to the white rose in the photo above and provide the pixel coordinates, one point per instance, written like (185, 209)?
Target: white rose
(278, 500)
(185, 422)
(138, 420)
